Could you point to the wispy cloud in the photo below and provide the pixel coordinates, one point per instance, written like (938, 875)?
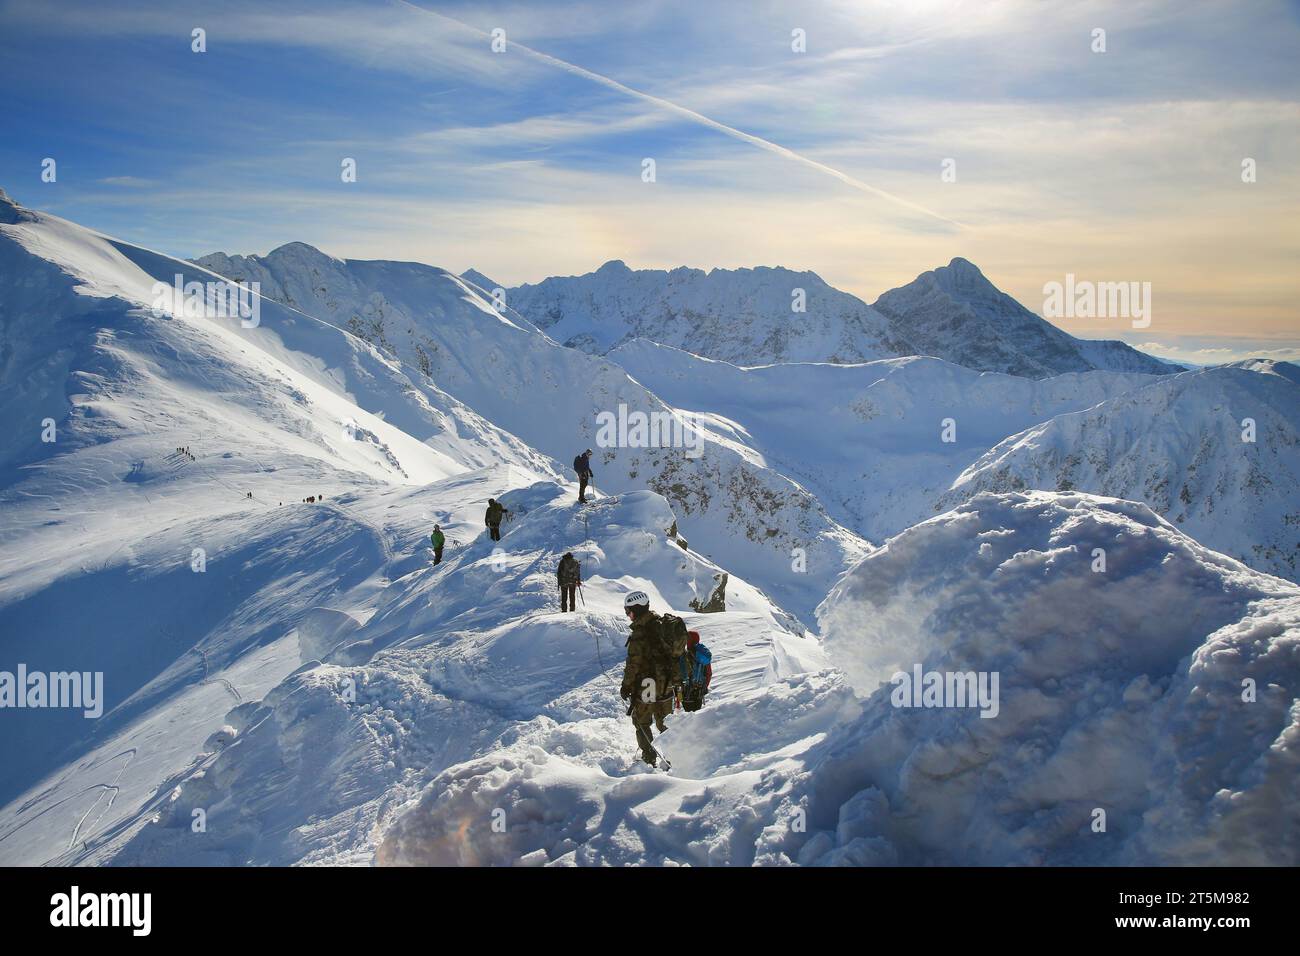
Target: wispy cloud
(1232, 350)
(135, 182)
(695, 117)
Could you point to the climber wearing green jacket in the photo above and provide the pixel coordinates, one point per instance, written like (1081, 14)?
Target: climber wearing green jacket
(495, 512)
(437, 539)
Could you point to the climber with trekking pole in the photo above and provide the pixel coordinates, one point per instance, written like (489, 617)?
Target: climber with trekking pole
(495, 512)
(652, 672)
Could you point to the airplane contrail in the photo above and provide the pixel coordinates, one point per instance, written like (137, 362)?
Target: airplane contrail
(700, 118)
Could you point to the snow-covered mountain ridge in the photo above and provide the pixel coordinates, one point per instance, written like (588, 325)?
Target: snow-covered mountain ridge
(1216, 451)
(766, 316)
(743, 514)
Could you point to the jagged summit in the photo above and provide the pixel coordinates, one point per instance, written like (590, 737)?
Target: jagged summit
(954, 312)
(752, 316)
(961, 276)
(766, 315)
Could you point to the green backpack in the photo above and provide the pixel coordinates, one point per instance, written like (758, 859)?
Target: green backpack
(672, 634)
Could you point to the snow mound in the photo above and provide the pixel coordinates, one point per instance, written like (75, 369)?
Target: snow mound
(1158, 687)
(562, 795)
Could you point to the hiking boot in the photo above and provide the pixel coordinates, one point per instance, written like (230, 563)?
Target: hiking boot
(649, 757)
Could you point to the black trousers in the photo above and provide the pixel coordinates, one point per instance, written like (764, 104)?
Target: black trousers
(582, 487)
(568, 597)
(495, 531)
(437, 555)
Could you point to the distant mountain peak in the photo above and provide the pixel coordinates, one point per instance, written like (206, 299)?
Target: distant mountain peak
(298, 250)
(962, 279)
(955, 313)
(1267, 366)
(476, 278)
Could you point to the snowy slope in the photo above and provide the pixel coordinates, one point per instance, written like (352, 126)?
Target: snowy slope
(1177, 445)
(866, 439)
(955, 313)
(121, 555)
(1119, 691)
(457, 661)
(742, 316)
(102, 526)
(742, 514)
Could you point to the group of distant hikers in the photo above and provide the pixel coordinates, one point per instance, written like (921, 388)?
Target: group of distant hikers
(667, 666)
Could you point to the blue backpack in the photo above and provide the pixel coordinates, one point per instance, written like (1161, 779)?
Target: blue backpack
(696, 673)
(695, 663)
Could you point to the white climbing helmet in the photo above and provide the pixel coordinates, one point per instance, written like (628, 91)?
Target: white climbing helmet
(636, 599)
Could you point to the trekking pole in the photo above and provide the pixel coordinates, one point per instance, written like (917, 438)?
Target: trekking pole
(582, 595)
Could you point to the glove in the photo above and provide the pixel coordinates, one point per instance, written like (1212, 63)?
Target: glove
(625, 693)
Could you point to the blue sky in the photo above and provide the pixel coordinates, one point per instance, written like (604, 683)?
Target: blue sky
(1115, 166)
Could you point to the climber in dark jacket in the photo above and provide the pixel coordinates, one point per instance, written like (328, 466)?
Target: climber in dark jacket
(569, 575)
(582, 465)
(495, 512)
